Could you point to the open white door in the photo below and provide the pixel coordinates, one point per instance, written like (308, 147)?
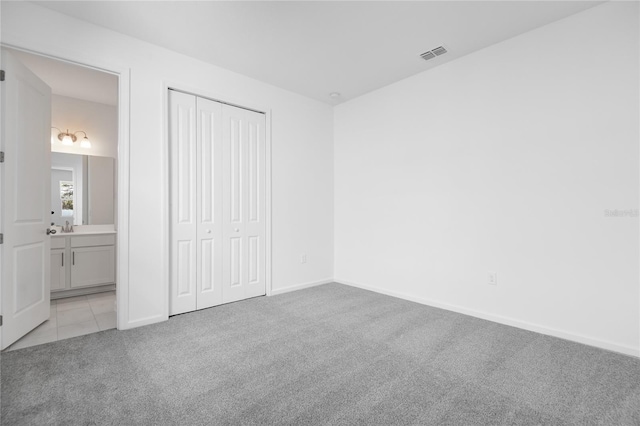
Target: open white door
(25, 274)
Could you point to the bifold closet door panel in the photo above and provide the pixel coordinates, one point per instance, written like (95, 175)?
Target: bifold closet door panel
(183, 220)
(209, 203)
(244, 226)
(218, 198)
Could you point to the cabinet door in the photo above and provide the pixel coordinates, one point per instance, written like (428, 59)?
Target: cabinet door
(92, 266)
(58, 275)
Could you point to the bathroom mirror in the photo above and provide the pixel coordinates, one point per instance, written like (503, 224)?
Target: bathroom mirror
(82, 189)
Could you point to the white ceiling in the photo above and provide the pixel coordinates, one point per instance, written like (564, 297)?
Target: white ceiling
(73, 81)
(318, 47)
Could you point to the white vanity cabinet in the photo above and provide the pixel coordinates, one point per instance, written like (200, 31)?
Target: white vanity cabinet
(92, 266)
(58, 266)
(82, 262)
(58, 271)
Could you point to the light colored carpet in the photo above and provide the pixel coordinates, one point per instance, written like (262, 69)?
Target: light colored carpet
(331, 355)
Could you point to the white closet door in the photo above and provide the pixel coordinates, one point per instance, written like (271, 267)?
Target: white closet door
(244, 225)
(209, 217)
(183, 146)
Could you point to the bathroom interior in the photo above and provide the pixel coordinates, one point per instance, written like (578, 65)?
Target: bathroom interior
(84, 162)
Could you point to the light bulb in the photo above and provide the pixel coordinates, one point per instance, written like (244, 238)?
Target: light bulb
(66, 140)
(85, 143)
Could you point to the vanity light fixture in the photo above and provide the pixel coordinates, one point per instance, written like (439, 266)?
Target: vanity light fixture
(68, 138)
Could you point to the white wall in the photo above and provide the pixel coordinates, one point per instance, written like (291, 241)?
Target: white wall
(302, 151)
(504, 160)
(99, 121)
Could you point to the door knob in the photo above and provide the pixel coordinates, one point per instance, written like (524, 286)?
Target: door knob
(51, 231)
(236, 229)
(208, 231)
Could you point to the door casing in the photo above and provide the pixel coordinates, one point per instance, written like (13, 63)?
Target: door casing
(122, 254)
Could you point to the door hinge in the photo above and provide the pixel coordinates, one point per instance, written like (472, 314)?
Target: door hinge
(0, 320)
(1, 238)
(1, 75)
(1, 156)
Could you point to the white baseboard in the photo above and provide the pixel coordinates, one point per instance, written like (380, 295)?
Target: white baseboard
(122, 325)
(603, 344)
(277, 291)
(59, 294)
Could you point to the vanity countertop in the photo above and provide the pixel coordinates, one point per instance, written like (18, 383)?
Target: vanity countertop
(80, 230)
(79, 234)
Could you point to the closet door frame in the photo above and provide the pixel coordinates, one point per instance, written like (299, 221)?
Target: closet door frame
(166, 184)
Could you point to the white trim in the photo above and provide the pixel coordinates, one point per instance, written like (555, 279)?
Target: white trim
(166, 236)
(603, 344)
(217, 97)
(72, 292)
(268, 261)
(153, 319)
(123, 199)
(638, 177)
(300, 286)
(124, 80)
(81, 62)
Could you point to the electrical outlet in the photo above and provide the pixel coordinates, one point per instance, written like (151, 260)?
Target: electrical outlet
(492, 278)
(303, 258)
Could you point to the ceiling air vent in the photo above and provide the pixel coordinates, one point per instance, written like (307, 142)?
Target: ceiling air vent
(433, 53)
(439, 51)
(428, 55)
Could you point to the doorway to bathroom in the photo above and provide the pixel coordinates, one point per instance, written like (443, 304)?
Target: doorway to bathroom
(74, 290)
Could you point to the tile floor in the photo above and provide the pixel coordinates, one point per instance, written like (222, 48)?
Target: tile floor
(71, 317)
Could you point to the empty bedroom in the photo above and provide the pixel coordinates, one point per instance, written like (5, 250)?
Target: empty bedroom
(320, 212)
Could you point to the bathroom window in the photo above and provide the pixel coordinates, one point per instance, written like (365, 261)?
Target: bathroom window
(66, 197)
